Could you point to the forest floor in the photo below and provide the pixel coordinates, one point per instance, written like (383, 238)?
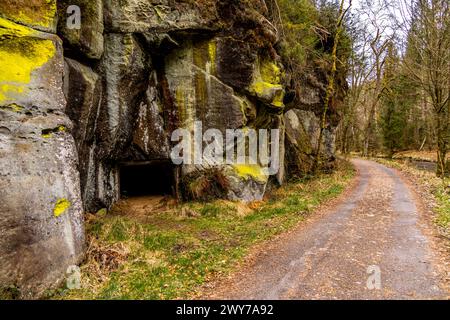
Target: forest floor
(430, 156)
(151, 248)
(379, 241)
(334, 236)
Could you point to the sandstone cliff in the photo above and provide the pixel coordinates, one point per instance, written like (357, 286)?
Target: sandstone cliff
(80, 106)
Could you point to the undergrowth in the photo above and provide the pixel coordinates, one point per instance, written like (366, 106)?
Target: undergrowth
(170, 255)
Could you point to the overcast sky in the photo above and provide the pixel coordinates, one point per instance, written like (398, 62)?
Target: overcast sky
(380, 15)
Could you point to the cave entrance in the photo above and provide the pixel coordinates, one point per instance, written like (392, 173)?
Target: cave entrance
(152, 178)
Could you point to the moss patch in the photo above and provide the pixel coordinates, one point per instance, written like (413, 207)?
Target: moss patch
(269, 91)
(205, 56)
(181, 104)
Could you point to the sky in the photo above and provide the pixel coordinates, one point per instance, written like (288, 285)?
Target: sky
(380, 16)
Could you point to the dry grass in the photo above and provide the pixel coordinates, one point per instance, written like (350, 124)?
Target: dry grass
(102, 259)
(418, 155)
(168, 255)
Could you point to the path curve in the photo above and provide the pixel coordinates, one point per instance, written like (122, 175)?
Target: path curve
(370, 246)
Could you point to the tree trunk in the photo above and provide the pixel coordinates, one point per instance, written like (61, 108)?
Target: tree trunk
(442, 144)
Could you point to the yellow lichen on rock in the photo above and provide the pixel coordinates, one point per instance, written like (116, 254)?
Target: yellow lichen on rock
(20, 54)
(12, 107)
(278, 100)
(204, 56)
(61, 206)
(265, 88)
(181, 103)
(247, 171)
(270, 72)
(8, 28)
(39, 14)
(212, 50)
(267, 84)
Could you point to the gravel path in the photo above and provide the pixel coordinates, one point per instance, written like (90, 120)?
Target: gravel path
(372, 245)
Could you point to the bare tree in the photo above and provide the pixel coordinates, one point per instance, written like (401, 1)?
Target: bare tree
(360, 70)
(379, 36)
(426, 25)
(379, 47)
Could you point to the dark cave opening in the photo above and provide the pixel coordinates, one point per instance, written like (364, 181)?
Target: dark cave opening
(153, 178)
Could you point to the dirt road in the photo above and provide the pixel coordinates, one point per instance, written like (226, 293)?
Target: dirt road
(374, 244)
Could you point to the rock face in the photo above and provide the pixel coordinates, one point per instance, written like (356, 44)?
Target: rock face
(88, 38)
(302, 136)
(159, 16)
(166, 65)
(41, 213)
(81, 107)
(304, 116)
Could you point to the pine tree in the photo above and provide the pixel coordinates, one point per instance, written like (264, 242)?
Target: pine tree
(398, 97)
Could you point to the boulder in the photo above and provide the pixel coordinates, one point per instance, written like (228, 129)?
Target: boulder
(83, 91)
(243, 183)
(210, 86)
(235, 62)
(41, 214)
(246, 183)
(22, 51)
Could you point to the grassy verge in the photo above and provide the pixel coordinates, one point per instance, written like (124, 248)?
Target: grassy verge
(418, 155)
(438, 188)
(168, 255)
